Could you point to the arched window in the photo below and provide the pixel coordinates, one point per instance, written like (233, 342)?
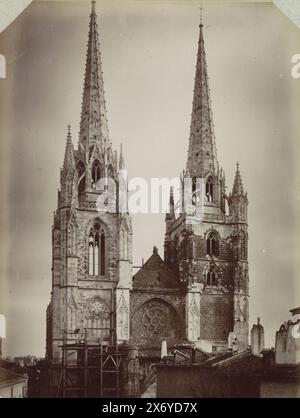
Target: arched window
(212, 278)
(96, 173)
(209, 189)
(97, 318)
(97, 251)
(194, 190)
(212, 244)
(81, 177)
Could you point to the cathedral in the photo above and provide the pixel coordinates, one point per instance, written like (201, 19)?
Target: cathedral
(197, 295)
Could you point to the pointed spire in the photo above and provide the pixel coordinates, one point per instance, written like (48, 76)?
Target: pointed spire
(237, 185)
(69, 160)
(93, 125)
(171, 203)
(201, 14)
(93, 7)
(171, 196)
(202, 154)
(121, 159)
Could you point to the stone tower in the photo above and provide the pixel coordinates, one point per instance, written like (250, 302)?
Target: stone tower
(206, 245)
(92, 246)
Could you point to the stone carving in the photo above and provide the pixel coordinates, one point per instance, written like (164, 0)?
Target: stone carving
(240, 308)
(71, 314)
(87, 205)
(154, 321)
(122, 319)
(97, 308)
(193, 320)
(241, 276)
(187, 271)
(96, 318)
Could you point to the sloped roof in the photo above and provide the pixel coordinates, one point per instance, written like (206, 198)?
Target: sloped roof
(243, 363)
(9, 378)
(155, 273)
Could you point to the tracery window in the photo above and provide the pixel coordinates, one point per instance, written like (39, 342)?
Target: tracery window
(97, 253)
(194, 190)
(97, 318)
(209, 189)
(212, 244)
(96, 173)
(212, 276)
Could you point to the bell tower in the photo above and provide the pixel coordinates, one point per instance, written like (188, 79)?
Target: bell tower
(209, 253)
(91, 238)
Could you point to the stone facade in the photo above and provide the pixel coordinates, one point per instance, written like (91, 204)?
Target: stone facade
(198, 295)
(209, 253)
(92, 250)
(157, 305)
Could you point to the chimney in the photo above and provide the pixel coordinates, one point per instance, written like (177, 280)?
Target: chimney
(164, 349)
(232, 342)
(295, 313)
(287, 342)
(257, 339)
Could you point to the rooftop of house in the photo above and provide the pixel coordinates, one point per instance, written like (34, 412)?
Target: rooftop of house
(9, 378)
(239, 363)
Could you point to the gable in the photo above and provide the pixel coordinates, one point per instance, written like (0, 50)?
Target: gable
(155, 273)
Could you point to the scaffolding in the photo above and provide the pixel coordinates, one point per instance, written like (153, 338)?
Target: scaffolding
(90, 370)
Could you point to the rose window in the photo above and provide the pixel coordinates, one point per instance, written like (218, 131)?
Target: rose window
(154, 321)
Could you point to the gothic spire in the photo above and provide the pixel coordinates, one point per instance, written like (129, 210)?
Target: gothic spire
(237, 185)
(171, 213)
(93, 124)
(69, 161)
(121, 159)
(202, 154)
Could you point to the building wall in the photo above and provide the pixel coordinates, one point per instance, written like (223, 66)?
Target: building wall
(79, 300)
(280, 389)
(18, 390)
(216, 315)
(224, 307)
(195, 382)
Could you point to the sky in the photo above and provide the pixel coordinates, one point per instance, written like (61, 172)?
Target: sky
(149, 55)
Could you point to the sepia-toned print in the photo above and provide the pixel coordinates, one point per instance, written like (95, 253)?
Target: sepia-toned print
(131, 265)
